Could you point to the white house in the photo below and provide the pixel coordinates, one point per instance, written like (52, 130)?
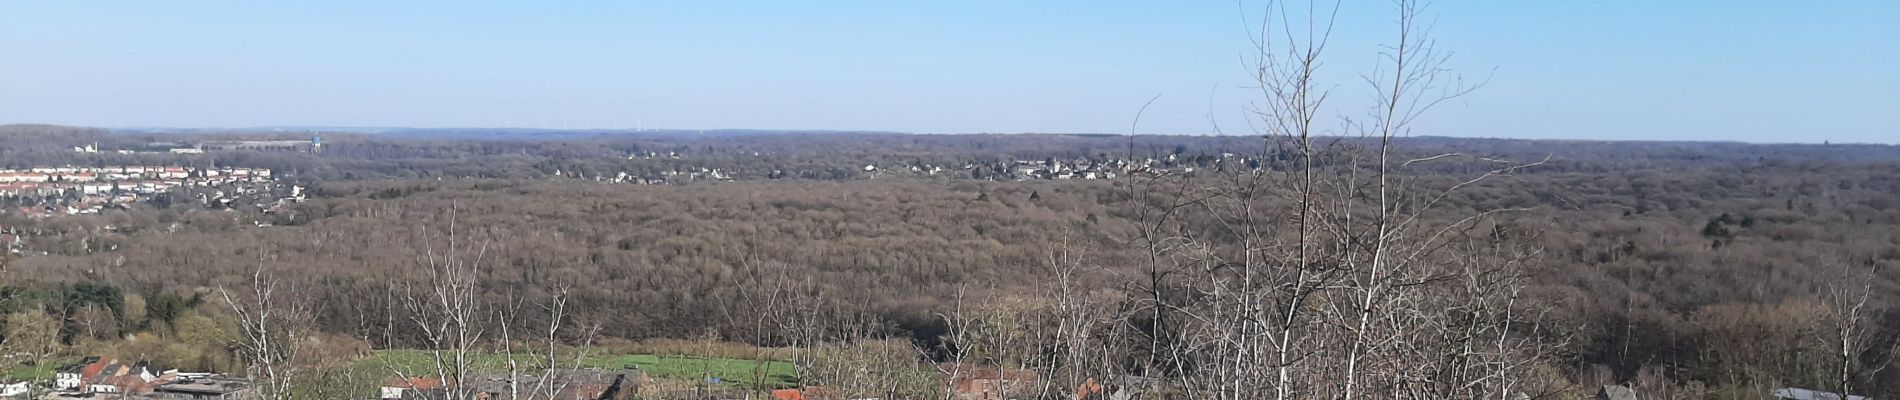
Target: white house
(72, 377)
(66, 380)
(25, 177)
(15, 389)
(102, 388)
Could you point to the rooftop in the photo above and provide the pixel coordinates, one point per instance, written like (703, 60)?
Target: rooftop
(206, 386)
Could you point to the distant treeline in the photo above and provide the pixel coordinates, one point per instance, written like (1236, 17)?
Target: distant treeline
(754, 155)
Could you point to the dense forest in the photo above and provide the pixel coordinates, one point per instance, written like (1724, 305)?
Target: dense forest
(1694, 269)
(1328, 249)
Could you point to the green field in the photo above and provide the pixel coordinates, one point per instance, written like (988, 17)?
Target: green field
(775, 374)
(738, 373)
(42, 373)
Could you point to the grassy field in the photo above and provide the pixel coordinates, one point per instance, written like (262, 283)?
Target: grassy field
(774, 374)
(365, 374)
(362, 376)
(43, 372)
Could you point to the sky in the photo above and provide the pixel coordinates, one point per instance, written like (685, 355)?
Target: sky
(1737, 70)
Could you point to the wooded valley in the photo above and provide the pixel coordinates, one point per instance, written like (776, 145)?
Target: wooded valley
(1695, 270)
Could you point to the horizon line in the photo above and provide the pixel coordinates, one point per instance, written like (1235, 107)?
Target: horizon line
(372, 129)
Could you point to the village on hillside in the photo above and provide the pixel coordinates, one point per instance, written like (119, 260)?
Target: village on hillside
(1019, 170)
(109, 378)
(70, 190)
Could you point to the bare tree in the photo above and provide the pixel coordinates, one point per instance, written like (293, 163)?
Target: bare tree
(1334, 270)
(548, 362)
(275, 323)
(447, 310)
(1860, 353)
(34, 332)
(845, 350)
(466, 336)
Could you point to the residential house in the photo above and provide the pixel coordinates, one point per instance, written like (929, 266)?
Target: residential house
(813, 393)
(113, 376)
(15, 389)
(127, 384)
(71, 377)
(399, 388)
(152, 372)
(33, 177)
(967, 382)
(788, 394)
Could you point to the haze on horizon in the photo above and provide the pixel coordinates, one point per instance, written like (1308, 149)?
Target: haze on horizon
(1753, 71)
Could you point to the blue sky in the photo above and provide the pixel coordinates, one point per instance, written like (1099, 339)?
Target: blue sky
(1761, 71)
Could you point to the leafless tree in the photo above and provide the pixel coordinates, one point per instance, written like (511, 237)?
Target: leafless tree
(34, 332)
(446, 308)
(847, 351)
(1859, 351)
(551, 361)
(1334, 271)
(275, 323)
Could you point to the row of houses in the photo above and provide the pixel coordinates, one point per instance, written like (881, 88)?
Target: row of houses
(60, 189)
(315, 144)
(100, 377)
(120, 173)
(39, 184)
(94, 149)
(1082, 168)
(48, 191)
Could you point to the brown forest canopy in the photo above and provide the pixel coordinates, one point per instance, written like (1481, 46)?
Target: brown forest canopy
(1656, 254)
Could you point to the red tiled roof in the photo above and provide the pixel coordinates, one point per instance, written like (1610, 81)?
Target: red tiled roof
(129, 383)
(91, 371)
(787, 394)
